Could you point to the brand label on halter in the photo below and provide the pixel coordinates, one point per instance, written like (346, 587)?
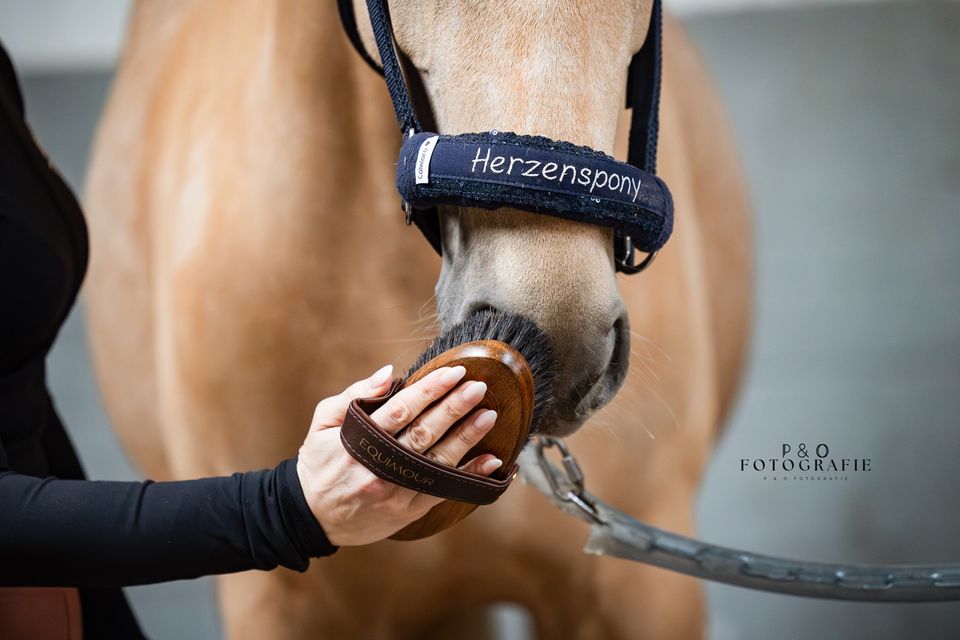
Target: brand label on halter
(422, 168)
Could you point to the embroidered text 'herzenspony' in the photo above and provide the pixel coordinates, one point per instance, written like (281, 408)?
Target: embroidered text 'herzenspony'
(510, 165)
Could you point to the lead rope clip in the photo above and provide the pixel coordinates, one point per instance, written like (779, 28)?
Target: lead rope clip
(567, 484)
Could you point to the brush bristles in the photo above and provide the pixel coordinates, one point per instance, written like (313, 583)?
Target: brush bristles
(518, 332)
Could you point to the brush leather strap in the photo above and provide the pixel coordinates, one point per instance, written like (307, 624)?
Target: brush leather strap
(383, 455)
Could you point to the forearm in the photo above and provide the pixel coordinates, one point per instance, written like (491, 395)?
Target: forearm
(98, 534)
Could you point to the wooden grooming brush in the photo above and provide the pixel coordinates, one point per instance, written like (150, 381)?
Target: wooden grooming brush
(509, 353)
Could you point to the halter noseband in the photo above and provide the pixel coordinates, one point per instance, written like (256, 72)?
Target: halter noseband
(533, 173)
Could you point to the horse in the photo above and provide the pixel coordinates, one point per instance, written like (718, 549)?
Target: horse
(249, 258)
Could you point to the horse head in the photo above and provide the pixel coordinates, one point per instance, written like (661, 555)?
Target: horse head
(555, 69)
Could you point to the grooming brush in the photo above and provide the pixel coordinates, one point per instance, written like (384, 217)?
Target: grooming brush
(514, 357)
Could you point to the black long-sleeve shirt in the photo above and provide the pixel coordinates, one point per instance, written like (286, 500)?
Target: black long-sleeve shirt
(57, 529)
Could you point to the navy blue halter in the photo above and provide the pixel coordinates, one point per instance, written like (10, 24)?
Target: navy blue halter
(533, 173)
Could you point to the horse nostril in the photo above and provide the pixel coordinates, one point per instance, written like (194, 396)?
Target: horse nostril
(619, 364)
(477, 303)
(480, 308)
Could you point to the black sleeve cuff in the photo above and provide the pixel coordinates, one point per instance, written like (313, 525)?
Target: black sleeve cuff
(305, 532)
(279, 525)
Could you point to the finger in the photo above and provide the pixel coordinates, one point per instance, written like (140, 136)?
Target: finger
(429, 426)
(330, 411)
(455, 445)
(482, 465)
(408, 403)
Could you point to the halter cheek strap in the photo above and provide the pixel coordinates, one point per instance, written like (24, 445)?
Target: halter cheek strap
(533, 173)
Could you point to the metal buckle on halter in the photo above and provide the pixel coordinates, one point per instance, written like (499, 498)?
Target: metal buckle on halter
(567, 485)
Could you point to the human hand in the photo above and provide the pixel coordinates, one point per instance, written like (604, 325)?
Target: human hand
(352, 504)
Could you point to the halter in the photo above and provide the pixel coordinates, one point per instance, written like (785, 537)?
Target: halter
(496, 169)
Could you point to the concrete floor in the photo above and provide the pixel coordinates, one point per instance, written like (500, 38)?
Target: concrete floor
(849, 123)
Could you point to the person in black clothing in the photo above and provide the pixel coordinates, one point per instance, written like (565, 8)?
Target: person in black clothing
(57, 529)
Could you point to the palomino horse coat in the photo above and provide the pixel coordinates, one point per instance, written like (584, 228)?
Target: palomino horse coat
(249, 258)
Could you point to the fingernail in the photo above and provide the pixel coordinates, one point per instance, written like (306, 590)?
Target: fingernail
(452, 375)
(381, 375)
(486, 419)
(492, 465)
(474, 391)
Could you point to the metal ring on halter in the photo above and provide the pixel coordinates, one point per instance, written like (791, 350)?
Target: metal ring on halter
(637, 268)
(626, 265)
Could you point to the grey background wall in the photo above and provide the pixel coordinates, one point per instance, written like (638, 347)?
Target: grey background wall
(59, 34)
(848, 119)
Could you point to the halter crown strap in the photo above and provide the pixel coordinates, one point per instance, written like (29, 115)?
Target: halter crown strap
(348, 19)
(396, 85)
(643, 95)
(643, 223)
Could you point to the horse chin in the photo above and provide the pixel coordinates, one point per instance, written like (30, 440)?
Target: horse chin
(564, 421)
(558, 427)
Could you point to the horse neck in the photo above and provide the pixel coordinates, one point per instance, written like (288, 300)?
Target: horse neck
(275, 78)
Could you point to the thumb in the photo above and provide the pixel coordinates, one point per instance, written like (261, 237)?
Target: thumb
(330, 411)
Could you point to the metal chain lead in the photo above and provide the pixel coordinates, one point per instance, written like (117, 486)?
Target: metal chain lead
(616, 534)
